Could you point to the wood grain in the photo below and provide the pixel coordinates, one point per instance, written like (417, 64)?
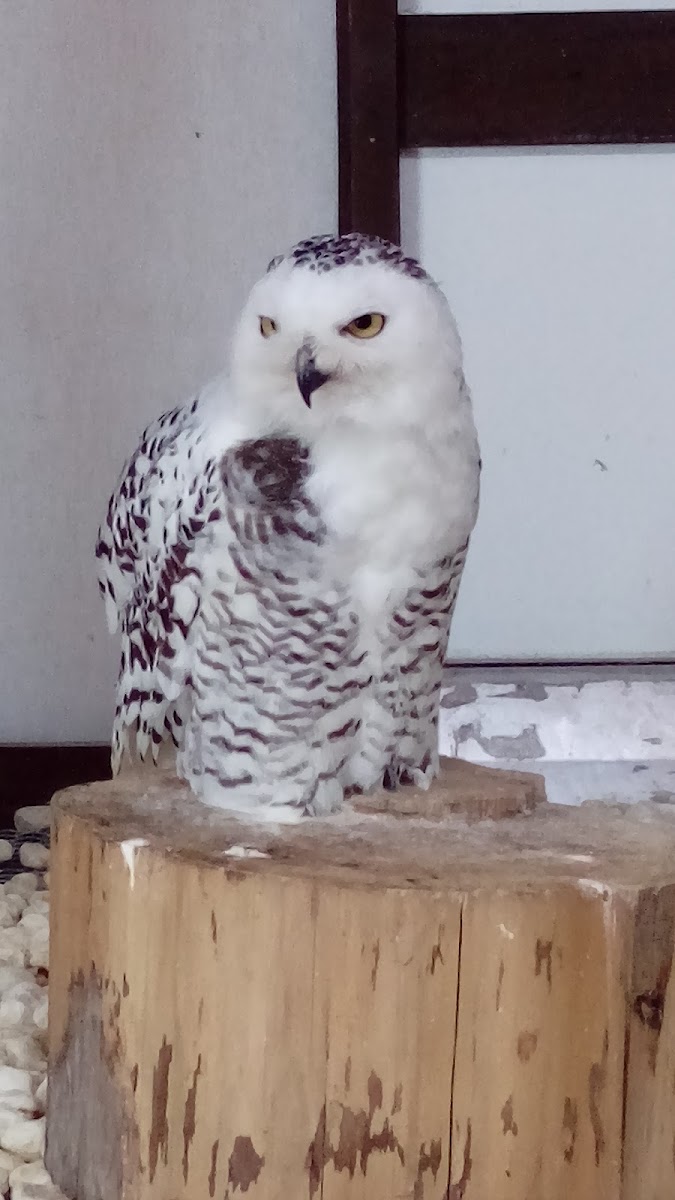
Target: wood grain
(372, 1006)
(540, 1046)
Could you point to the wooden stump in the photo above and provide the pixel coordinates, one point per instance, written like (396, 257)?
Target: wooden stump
(374, 1006)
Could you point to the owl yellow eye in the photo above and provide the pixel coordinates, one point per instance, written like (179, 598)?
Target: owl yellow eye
(367, 326)
(267, 326)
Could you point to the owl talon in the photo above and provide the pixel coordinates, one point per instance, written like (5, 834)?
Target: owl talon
(396, 777)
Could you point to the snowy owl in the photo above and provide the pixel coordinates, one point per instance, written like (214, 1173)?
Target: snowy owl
(283, 553)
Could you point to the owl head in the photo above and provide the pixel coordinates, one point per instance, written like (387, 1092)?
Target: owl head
(346, 329)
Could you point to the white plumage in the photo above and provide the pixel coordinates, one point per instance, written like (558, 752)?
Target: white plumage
(283, 553)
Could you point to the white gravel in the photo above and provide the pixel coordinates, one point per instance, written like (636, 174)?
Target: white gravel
(32, 819)
(24, 950)
(24, 972)
(33, 856)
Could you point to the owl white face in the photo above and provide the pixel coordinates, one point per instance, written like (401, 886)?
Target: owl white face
(362, 342)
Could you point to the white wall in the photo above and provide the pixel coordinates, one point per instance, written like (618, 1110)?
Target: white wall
(560, 265)
(127, 244)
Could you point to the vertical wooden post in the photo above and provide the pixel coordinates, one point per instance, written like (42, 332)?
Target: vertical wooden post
(368, 117)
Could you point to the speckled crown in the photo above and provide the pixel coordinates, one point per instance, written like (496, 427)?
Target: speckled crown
(326, 252)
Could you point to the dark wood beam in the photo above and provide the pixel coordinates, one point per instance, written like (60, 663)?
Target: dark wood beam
(536, 79)
(367, 117)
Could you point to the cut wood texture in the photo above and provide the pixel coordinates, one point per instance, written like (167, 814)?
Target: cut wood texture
(376, 1006)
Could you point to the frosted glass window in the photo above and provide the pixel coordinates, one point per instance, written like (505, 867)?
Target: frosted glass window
(560, 266)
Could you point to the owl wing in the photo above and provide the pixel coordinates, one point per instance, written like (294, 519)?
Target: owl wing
(166, 505)
(415, 640)
(419, 628)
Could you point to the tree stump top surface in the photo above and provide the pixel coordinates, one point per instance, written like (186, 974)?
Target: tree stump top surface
(533, 845)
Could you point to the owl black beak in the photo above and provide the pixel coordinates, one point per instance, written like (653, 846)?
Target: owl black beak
(307, 373)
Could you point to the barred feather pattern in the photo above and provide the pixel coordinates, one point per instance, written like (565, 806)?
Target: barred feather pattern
(241, 645)
(164, 499)
(278, 669)
(401, 747)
